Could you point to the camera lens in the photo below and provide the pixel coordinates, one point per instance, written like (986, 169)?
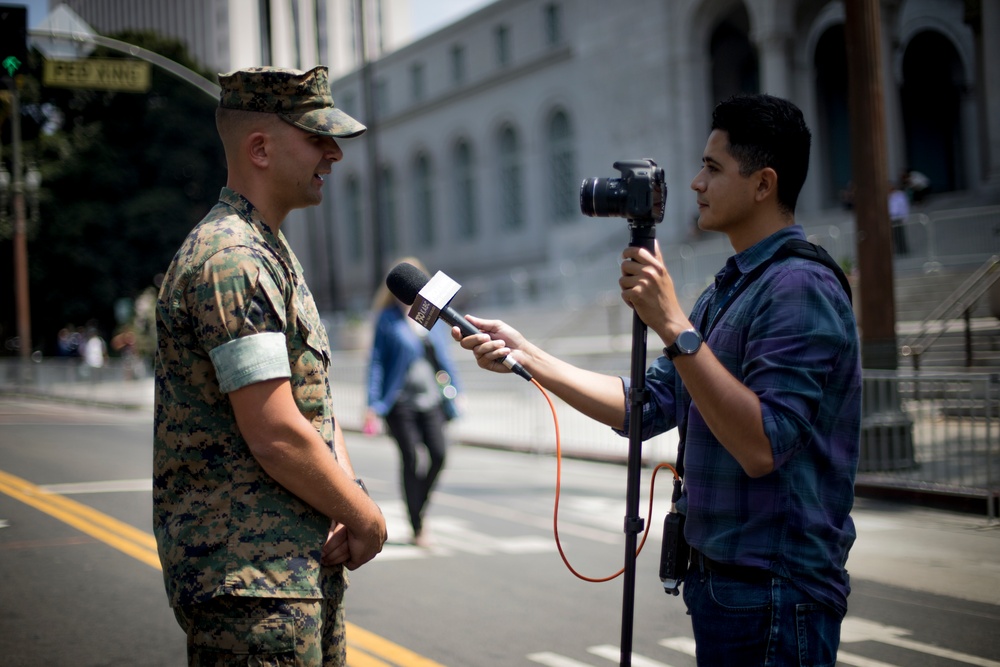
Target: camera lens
(603, 197)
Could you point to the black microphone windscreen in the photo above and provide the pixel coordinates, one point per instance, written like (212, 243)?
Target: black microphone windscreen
(404, 281)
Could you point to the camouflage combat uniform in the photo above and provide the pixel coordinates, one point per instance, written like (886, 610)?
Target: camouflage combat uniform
(232, 302)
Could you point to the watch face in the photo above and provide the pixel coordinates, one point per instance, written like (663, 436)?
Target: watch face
(688, 341)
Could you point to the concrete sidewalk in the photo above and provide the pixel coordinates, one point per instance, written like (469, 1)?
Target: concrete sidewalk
(126, 394)
(933, 551)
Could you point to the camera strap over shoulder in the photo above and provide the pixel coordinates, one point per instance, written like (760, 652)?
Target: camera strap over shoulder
(790, 248)
(817, 253)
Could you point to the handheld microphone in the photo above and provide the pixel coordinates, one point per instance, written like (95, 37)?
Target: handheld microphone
(429, 301)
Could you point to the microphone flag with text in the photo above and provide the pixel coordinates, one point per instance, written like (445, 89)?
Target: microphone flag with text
(430, 300)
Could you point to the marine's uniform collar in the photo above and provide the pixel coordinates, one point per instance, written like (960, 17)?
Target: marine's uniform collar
(252, 215)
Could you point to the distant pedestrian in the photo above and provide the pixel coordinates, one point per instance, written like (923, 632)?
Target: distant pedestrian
(899, 211)
(66, 343)
(412, 385)
(95, 352)
(917, 184)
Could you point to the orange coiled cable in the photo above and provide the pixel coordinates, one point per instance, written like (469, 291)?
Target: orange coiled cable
(555, 513)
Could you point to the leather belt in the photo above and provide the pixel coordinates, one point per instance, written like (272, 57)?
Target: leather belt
(745, 573)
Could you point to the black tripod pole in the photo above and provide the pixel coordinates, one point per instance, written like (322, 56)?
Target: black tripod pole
(641, 236)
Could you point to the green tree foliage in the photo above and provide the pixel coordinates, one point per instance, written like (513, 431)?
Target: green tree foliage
(124, 178)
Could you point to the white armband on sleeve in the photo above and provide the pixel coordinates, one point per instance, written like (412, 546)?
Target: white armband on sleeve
(244, 361)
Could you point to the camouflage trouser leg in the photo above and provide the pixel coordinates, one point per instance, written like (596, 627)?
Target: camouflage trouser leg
(229, 631)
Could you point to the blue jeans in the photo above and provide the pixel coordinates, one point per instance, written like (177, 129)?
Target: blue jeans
(771, 624)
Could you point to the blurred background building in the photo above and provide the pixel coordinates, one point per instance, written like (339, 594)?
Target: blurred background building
(482, 131)
(229, 34)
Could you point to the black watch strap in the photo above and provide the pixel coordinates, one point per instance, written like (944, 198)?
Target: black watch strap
(688, 342)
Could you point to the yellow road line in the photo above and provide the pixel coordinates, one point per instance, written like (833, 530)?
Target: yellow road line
(365, 649)
(356, 658)
(111, 531)
(384, 648)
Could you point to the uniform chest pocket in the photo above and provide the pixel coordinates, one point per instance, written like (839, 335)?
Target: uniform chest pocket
(314, 346)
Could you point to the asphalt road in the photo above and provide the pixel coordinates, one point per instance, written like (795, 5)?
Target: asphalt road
(80, 585)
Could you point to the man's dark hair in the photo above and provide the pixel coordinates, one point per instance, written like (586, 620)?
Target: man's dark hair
(766, 131)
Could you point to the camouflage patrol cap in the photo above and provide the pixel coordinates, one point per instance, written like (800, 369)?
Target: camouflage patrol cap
(301, 98)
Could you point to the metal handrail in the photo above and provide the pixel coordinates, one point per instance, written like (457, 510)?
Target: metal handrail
(956, 304)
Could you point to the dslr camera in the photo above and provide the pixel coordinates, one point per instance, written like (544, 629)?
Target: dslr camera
(639, 195)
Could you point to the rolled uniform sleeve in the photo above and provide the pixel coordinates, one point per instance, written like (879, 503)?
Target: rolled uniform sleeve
(245, 361)
(240, 310)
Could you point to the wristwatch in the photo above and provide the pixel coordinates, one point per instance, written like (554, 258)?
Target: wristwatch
(360, 482)
(688, 342)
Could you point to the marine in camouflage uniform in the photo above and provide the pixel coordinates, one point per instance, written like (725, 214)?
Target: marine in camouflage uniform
(241, 555)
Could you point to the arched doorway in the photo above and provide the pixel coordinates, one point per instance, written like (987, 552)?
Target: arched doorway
(734, 60)
(833, 119)
(931, 98)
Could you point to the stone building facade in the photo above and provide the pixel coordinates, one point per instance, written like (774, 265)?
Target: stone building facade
(482, 131)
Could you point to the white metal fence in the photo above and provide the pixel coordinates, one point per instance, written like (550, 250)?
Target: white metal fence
(931, 432)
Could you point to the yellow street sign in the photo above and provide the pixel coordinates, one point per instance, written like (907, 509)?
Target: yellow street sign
(102, 73)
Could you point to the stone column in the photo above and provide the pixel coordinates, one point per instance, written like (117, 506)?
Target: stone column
(774, 45)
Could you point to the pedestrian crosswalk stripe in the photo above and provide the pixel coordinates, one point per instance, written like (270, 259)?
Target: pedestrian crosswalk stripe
(450, 535)
(858, 630)
(683, 645)
(860, 660)
(614, 653)
(555, 660)
(855, 630)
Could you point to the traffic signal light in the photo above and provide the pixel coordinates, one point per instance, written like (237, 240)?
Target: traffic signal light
(13, 39)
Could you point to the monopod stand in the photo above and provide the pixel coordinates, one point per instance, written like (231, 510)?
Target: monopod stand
(643, 236)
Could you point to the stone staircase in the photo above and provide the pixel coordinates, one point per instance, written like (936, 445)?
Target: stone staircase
(964, 344)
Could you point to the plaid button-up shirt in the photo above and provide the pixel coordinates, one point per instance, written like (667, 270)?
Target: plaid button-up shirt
(791, 337)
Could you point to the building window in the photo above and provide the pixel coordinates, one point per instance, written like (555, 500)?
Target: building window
(553, 24)
(264, 16)
(465, 190)
(458, 65)
(355, 218)
(381, 101)
(511, 192)
(561, 159)
(417, 82)
(296, 36)
(347, 103)
(380, 22)
(387, 210)
(502, 39)
(353, 21)
(424, 201)
(322, 40)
